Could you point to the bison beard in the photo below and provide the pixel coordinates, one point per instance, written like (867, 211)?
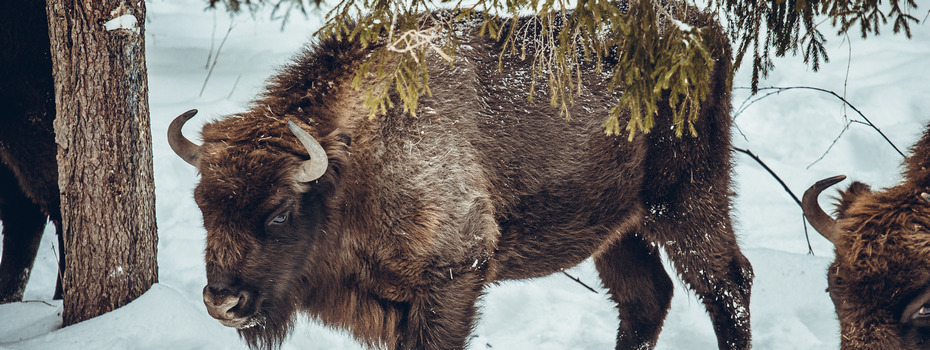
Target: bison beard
(277, 321)
(391, 227)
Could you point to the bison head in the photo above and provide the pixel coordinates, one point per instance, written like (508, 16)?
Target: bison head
(880, 279)
(264, 204)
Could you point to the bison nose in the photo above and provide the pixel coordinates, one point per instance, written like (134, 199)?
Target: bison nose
(223, 303)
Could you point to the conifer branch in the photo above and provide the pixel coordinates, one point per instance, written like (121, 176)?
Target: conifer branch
(659, 59)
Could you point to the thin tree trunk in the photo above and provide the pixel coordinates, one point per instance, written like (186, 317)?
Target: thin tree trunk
(104, 154)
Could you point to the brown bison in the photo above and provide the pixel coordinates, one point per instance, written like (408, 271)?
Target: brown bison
(880, 280)
(28, 169)
(391, 227)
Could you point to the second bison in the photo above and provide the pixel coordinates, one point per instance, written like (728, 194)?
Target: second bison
(392, 227)
(880, 279)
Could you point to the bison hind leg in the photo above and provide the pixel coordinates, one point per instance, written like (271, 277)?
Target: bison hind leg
(701, 245)
(23, 223)
(723, 284)
(632, 271)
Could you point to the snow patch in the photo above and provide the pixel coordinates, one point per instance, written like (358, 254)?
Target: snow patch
(127, 22)
(682, 26)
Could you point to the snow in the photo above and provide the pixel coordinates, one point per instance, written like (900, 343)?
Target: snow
(887, 78)
(126, 21)
(682, 26)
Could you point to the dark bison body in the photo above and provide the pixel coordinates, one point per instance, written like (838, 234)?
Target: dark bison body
(392, 227)
(28, 169)
(880, 279)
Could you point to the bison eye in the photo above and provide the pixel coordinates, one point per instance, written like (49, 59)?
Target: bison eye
(924, 312)
(280, 218)
(917, 312)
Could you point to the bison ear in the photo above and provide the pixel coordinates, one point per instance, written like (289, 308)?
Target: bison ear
(315, 167)
(337, 149)
(340, 137)
(850, 195)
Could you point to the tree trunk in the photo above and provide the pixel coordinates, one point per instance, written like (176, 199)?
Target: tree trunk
(104, 154)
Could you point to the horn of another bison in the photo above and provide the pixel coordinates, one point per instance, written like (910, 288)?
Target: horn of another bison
(925, 196)
(315, 167)
(181, 146)
(823, 223)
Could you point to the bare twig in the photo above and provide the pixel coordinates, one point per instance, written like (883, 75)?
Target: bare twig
(845, 81)
(766, 167)
(810, 249)
(580, 282)
(749, 101)
(206, 65)
(216, 57)
(778, 90)
(61, 276)
(741, 132)
(412, 40)
(835, 140)
(235, 84)
(38, 301)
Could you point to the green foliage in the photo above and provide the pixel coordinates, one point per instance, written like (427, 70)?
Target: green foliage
(658, 54)
(658, 57)
(782, 26)
(657, 62)
(403, 36)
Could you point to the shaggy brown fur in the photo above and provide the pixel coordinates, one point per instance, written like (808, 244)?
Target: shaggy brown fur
(880, 280)
(28, 169)
(417, 214)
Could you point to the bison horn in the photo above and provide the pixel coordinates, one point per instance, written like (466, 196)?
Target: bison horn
(821, 222)
(181, 146)
(925, 196)
(315, 167)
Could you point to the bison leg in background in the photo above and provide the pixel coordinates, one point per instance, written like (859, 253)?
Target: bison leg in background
(442, 317)
(633, 273)
(23, 223)
(699, 240)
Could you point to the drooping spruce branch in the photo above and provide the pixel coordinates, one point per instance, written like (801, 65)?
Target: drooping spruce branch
(656, 53)
(764, 28)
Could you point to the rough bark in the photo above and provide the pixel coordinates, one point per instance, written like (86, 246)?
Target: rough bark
(104, 154)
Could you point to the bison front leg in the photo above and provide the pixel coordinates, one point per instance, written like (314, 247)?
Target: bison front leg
(633, 273)
(441, 316)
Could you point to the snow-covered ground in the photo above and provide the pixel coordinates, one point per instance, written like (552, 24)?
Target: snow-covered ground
(884, 77)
